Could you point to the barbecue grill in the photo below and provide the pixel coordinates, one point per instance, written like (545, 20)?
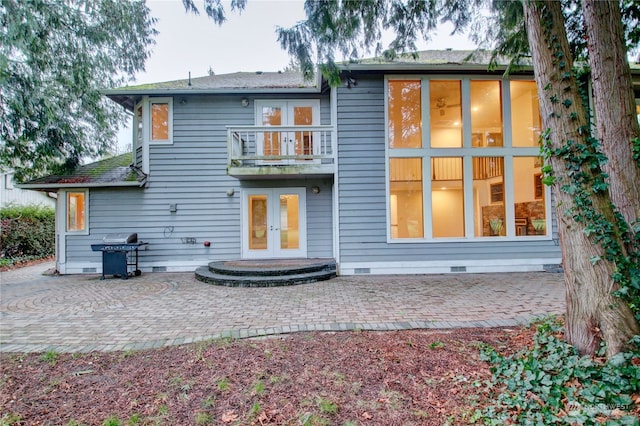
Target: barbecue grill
(119, 255)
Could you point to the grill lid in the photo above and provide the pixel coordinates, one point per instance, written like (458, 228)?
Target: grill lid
(120, 238)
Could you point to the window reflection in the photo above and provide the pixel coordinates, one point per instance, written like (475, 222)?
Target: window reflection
(159, 121)
(405, 114)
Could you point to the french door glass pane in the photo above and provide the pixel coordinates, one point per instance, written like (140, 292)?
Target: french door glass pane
(258, 215)
(488, 196)
(529, 192)
(271, 116)
(447, 197)
(289, 221)
(303, 116)
(486, 114)
(445, 108)
(526, 123)
(405, 114)
(407, 219)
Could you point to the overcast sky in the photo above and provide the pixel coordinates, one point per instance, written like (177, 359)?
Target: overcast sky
(246, 42)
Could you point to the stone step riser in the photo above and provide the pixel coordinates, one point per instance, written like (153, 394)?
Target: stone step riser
(205, 275)
(224, 268)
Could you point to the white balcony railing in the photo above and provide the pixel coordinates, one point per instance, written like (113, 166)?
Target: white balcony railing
(260, 146)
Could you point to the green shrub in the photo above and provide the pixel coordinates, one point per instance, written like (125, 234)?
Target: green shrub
(27, 232)
(551, 383)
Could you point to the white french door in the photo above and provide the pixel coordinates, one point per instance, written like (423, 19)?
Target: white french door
(291, 143)
(274, 223)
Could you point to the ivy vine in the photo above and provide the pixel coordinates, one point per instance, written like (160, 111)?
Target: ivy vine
(583, 160)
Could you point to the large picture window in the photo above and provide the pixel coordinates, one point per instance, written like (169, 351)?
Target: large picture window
(472, 171)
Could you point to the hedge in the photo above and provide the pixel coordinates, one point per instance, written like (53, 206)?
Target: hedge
(27, 232)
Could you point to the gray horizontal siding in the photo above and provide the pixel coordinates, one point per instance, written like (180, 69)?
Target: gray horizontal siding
(191, 173)
(362, 196)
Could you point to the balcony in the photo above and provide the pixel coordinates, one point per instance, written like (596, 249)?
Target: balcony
(280, 151)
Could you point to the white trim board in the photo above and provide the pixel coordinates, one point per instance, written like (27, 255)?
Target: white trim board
(447, 267)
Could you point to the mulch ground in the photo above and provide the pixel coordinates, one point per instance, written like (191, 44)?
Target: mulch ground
(416, 377)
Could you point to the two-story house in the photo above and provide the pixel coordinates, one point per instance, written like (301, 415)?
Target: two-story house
(427, 165)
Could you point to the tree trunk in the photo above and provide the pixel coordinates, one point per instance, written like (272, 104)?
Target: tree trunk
(593, 314)
(614, 103)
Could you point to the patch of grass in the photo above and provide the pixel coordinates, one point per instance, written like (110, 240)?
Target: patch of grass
(311, 419)
(393, 398)
(9, 419)
(421, 414)
(258, 388)
(134, 419)
(127, 354)
(255, 410)
(203, 418)
(223, 342)
(208, 402)
(111, 421)
(202, 346)
(223, 384)
(50, 356)
(339, 377)
(277, 379)
(436, 345)
(327, 406)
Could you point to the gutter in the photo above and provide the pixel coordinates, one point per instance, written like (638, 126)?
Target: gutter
(49, 186)
(226, 91)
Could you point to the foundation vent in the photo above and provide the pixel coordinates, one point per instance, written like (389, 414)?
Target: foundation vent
(458, 269)
(89, 270)
(362, 270)
(159, 269)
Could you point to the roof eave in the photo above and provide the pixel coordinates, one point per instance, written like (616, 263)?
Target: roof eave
(50, 186)
(389, 67)
(226, 91)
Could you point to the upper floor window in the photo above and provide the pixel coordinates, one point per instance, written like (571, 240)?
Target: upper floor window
(153, 121)
(404, 107)
(161, 120)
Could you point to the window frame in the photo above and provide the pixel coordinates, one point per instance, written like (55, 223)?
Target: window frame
(149, 120)
(467, 152)
(85, 230)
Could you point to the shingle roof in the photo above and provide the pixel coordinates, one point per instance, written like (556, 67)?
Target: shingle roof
(245, 82)
(434, 59)
(113, 171)
(237, 80)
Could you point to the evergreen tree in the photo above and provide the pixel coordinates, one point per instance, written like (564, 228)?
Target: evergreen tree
(55, 58)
